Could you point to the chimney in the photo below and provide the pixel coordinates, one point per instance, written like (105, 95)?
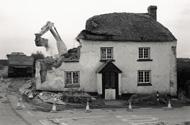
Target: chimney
(152, 12)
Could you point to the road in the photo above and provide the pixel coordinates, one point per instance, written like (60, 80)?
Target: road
(119, 116)
(8, 116)
(143, 116)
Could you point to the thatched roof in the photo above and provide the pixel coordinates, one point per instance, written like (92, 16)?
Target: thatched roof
(125, 27)
(73, 55)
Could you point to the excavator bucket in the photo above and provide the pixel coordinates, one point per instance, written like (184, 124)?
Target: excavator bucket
(39, 41)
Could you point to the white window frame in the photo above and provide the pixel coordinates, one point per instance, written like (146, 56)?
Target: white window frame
(142, 53)
(106, 52)
(72, 77)
(144, 79)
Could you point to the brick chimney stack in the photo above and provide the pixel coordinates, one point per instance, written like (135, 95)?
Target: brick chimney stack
(152, 11)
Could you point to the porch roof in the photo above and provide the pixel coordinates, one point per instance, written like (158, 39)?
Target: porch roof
(108, 66)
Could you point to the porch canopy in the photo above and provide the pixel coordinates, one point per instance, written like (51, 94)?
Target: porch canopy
(108, 80)
(108, 66)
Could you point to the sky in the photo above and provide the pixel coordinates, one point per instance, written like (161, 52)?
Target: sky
(21, 19)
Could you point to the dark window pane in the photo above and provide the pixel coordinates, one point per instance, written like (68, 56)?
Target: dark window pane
(75, 77)
(140, 52)
(146, 52)
(109, 53)
(68, 79)
(147, 76)
(103, 53)
(140, 76)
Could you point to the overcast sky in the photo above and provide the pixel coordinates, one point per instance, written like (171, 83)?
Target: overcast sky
(20, 19)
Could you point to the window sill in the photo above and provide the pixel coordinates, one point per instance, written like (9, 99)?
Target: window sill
(106, 60)
(76, 85)
(142, 60)
(144, 84)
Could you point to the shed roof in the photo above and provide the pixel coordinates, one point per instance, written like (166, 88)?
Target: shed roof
(125, 27)
(20, 60)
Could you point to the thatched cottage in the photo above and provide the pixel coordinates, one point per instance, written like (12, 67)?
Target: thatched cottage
(119, 53)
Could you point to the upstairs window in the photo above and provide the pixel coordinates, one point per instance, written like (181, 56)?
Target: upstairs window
(106, 53)
(144, 53)
(144, 77)
(72, 77)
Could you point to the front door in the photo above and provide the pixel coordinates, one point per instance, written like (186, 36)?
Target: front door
(110, 84)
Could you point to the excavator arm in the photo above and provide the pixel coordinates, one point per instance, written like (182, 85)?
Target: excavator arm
(39, 41)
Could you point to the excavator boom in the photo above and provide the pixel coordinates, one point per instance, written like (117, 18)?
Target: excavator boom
(44, 42)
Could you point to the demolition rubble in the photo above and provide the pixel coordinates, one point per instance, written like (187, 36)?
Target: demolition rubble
(65, 98)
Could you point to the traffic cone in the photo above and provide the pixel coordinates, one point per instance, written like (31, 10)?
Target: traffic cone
(130, 106)
(19, 105)
(23, 106)
(54, 108)
(1, 78)
(169, 104)
(87, 107)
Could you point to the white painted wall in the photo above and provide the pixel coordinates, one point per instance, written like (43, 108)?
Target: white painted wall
(126, 55)
(163, 66)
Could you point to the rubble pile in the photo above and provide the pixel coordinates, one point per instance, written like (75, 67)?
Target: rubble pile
(64, 97)
(50, 97)
(61, 98)
(28, 89)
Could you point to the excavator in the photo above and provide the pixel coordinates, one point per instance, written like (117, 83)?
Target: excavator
(39, 41)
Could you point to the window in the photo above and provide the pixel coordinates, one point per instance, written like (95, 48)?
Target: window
(71, 77)
(144, 77)
(106, 53)
(144, 53)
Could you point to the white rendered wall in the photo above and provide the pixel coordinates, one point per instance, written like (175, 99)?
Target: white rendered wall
(126, 56)
(162, 66)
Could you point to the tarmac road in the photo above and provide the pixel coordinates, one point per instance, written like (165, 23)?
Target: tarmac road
(8, 115)
(143, 116)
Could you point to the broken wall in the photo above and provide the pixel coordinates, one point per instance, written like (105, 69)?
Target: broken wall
(55, 78)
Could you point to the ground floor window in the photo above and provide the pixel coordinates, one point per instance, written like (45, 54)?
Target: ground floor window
(72, 77)
(144, 77)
